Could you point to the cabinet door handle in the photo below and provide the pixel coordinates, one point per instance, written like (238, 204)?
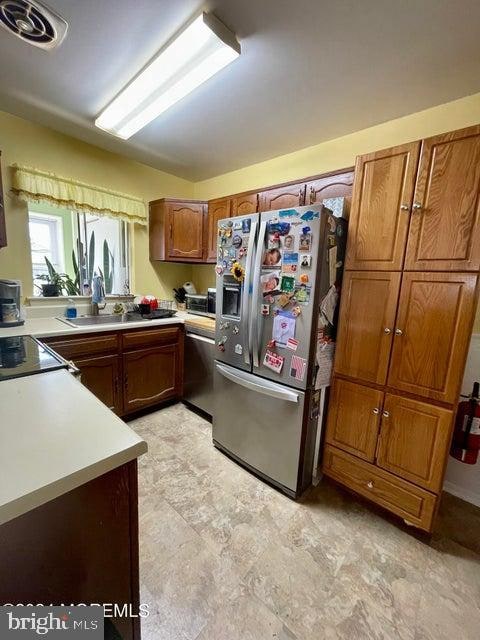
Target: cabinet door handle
(398, 332)
(405, 207)
(386, 414)
(376, 411)
(312, 194)
(387, 330)
(370, 484)
(416, 206)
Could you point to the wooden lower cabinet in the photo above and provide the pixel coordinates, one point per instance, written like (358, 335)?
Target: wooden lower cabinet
(102, 376)
(128, 370)
(416, 506)
(414, 440)
(354, 418)
(150, 376)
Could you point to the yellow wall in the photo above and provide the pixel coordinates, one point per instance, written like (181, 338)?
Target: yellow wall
(341, 152)
(26, 143)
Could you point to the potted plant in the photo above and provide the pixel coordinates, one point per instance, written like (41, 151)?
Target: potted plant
(58, 283)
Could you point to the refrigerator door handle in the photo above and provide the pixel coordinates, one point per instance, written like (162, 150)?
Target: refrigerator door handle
(247, 343)
(266, 387)
(254, 322)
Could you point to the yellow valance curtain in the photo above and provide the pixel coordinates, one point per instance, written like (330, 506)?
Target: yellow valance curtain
(34, 185)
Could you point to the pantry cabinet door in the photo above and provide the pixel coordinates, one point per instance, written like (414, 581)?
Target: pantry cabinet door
(292, 195)
(353, 418)
(432, 334)
(186, 232)
(380, 213)
(217, 210)
(444, 231)
(244, 204)
(414, 440)
(367, 319)
(101, 375)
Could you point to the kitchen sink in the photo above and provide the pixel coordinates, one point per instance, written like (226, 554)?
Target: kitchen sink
(113, 318)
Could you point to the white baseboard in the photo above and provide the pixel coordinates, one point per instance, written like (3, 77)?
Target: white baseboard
(461, 492)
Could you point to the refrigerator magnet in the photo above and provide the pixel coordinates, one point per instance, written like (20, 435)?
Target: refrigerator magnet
(274, 241)
(292, 344)
(271, 344)
(246, 225)
(273, 361)
(290, 262)
(302, 293)
(289, 243)
(235, 329)
(219, 269)
(304, 278)
(297, 311)
(238, 349)
(306, 261)
(238, 272)
(309, 215)
(287, 284)
(265, 309)
(237, 225)
(305, 242)
(272, 257)
(283, 328)
(282, 228)
(285, 299)
(298, 366)
(237, 241)
(242, 252)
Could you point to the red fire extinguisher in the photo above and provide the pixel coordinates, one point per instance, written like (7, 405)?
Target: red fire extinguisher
(466, 435)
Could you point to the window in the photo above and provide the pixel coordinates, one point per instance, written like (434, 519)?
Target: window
(79, 245)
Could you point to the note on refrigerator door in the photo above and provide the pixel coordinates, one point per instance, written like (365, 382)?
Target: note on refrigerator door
(283, 328)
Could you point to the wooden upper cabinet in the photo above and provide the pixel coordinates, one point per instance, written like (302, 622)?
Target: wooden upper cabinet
(367, 319)
(245, 204)
(444, 231)
(414, 440)
(354, 418)
(217, 210)
(380, 213)
(339, 185)
(432, 334)
(186, 235)
(292, 195)
(177, 230)
(3, 229)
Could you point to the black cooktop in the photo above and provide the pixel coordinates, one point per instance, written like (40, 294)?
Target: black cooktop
(24, 356)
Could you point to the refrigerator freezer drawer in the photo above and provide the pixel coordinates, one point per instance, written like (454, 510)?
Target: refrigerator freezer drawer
(260, 423)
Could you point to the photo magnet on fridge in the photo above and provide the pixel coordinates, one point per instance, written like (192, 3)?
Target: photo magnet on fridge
(270, 283)
(273, 361)
(302, 293)
(237, 241)
(265, 309)
(237, 225)
(290, 262)
(287, 284)
(272, 258)
(306, 261)
(305, 242)
(289, 243)
(246, 225)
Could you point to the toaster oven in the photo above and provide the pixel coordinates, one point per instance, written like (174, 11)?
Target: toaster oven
(202, 304)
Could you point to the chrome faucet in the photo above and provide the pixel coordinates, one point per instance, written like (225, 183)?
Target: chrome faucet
(98, 295)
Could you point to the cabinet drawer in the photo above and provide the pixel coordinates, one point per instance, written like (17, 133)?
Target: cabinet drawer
(398, 496)
(150, 337)
(70, 348)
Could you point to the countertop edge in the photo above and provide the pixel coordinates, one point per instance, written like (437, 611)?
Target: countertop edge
(42, 495)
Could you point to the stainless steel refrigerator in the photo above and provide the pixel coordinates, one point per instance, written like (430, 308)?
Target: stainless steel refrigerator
(278, 275)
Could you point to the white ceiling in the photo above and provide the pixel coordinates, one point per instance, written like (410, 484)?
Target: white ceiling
(310, 70)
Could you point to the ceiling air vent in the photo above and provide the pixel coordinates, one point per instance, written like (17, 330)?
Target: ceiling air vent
(33, 22)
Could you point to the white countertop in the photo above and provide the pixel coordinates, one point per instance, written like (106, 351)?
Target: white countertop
(46, 327)
(55, 435)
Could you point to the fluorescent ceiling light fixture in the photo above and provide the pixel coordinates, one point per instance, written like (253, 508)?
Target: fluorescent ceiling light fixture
(201, 50)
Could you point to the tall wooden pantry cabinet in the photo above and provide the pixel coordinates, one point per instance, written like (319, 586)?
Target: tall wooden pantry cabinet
(408, 304)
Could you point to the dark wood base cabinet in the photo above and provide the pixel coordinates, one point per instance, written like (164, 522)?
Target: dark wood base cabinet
(128, 370)
(81, 547)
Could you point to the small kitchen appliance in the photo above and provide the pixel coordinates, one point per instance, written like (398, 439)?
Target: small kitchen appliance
(10, 303)
(201, 304)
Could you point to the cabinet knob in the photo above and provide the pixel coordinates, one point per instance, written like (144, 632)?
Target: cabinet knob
(376, 411)
(398, 332)
(387, 330)
(386, 414)
(405, 207)
(416, 206)
(370, 484)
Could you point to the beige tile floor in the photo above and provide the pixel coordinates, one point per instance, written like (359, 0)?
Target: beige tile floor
(226, 557)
